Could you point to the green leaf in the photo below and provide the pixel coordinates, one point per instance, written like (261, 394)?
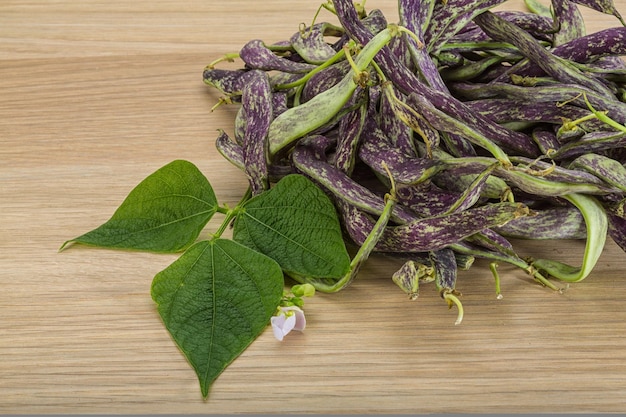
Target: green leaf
(164, 213)
(296, 224)
(215, 300)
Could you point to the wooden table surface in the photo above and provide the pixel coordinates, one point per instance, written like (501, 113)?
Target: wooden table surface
(94, 96)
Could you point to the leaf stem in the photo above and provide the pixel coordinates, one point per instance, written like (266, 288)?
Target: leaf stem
(493, 266)
(230, 214)
(335, 58)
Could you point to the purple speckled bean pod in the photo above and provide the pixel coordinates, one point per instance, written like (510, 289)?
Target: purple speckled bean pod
(508, 110)
(559, 93)
(588, 49)
(433, 233)
(228, 82)
(400, 133)
(493, 241)
(376, 150)
(546, 139)
(415, 16)
(230, 150)
(256, 104)
(540, 27)
(617, 228)
(444, 264)
(568, 21)
(557, 68)
(324, 79)
(427, 199)
(408, 83)
(590, 142)
(308, 158)
(309, 42)
(451, 17)
(257, 55)
(607, 169)
(552, 223)
(233, 153)
(349, 135)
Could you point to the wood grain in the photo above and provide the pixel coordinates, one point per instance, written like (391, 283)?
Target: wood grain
(94, 96)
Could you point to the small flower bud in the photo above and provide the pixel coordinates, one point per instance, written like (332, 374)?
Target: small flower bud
(303, 290)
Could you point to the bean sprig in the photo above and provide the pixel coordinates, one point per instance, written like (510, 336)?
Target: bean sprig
(485, 125)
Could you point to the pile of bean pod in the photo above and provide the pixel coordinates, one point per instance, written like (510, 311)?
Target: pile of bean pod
(489, 126)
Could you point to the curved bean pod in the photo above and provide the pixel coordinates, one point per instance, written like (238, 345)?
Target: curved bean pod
(596, 223)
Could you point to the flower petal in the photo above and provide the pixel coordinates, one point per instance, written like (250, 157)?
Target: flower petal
(277, 326)
(300, 320)
(289, 324)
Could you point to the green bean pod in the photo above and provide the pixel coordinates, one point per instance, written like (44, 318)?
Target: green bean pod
(301, 120)
(596, 223)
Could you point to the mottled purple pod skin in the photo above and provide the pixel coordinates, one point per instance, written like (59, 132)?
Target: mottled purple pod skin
(560, 93)
(310, 44)
(559, 69)
(617, 229)
(257, 55)
(552, 223)
(493, 241)
(567, 20)
(227, 81)
(546, 139)
(400, 133)
(587, 48)
(349, 135)
(415, 15)
(540, 27)
(241, 124)
(375, 21)
(608, 170)
(584, 50)
(308, 158)
(324, 79)
(451, 17)
(406, 113)
(444, 263)
(432, 233)
(509, 110)
(230, 150)
(256, 102)
(426, 199)
(376, 151)
(473, 128)
(408, 83)
(279, 102)
(591, 142)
